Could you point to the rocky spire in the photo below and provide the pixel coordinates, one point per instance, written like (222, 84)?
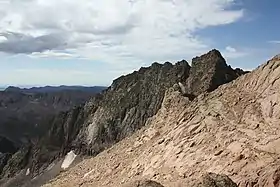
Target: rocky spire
(208, 72)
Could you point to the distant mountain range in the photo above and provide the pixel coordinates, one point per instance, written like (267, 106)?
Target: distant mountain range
(51, 89)
(25, 113)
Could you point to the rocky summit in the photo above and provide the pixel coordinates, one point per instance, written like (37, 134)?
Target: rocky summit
(171, 125)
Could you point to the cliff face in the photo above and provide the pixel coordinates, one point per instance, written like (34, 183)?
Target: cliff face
(109, 117)
(124, 108)
(128, 103)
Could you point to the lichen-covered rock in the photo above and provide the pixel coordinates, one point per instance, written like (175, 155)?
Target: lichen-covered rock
(215, 180)
(145, 183)
(4, 157)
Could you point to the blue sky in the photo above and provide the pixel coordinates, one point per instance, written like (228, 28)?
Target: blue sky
(50, 42)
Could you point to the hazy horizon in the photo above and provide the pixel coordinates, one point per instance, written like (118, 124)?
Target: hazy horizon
(3, 87)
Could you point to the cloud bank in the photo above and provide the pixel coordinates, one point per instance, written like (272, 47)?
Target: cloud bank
(111, 30)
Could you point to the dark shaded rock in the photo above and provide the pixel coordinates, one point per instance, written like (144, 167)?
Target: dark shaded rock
(16, 162)
(56, 89)
(148, 183)
(145, 183)
(208, 72)
(215, 180)
(240, 72)
(4, 157)
(7, 146)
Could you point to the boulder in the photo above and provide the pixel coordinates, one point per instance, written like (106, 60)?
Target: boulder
(216, 180)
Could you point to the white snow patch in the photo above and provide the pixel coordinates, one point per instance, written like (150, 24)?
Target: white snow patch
(88, 173)
(27, 172)
(68, 160)
(182, 87)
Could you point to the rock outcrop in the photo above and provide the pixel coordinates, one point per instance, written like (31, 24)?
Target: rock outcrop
(127, 104)
(109, 117)
(4, 158)
(144, 183)
(16, 162)
(215, 180)
(231, 131)
(208, 72)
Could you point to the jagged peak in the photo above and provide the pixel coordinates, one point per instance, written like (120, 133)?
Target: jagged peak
(183, 62)
(213, 54)
(209, 71)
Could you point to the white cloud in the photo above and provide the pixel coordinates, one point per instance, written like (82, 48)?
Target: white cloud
(54, 54)
(274, 42)
(230, 49)
(118, 31)
(233, 53)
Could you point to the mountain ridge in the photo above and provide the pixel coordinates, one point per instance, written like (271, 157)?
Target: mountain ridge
(49, 89)
(230, 131)
(120, 111)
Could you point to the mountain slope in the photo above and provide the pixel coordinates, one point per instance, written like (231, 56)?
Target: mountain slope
(234, 131)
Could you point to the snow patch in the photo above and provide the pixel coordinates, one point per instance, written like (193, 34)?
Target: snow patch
(68, 160)
(27, 172)
(182, 87)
